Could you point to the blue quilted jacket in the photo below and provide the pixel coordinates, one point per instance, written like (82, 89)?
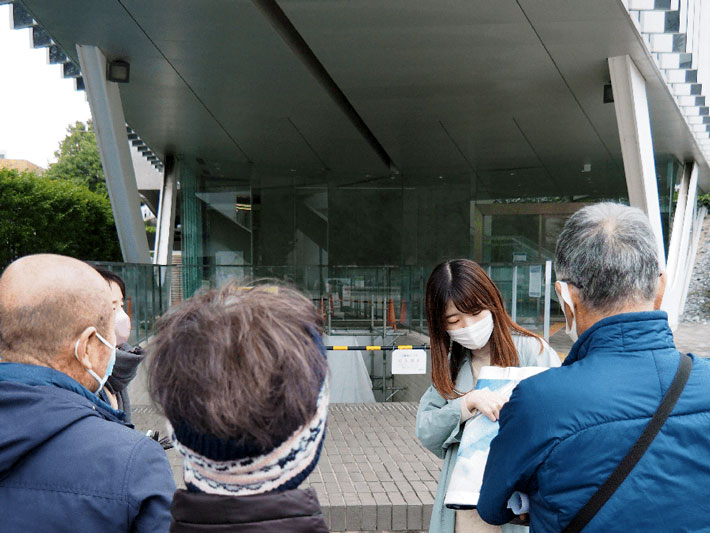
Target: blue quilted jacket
(565, 430)
(68, 464)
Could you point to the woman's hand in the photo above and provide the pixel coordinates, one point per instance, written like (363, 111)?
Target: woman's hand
(486, 401)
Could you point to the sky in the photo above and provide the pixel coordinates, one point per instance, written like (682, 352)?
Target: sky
(36, 102)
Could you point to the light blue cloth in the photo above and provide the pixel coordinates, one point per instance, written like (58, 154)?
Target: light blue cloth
(439, 426)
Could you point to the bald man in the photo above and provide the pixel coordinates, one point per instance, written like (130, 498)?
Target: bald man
(68, 462)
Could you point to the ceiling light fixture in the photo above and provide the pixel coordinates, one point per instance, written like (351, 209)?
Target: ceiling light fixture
(608, 93)
(118, 71)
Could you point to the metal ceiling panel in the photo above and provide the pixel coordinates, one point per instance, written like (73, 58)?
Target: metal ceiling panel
(538, 64)
(476, 67)
(453, 86)
(578, 42)
(242, 70)
(213, 80)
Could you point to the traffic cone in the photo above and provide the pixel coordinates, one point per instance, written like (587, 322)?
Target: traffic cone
(403, 319)
(391, 321)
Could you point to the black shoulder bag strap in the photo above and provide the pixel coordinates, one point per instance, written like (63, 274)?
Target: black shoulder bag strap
(617, 477)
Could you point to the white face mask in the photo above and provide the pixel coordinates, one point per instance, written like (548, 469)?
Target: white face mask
(474, 336)
(567, 299)
(109, 367)
(122, 327)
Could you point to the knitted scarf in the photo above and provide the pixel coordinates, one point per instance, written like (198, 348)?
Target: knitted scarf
(235, 470)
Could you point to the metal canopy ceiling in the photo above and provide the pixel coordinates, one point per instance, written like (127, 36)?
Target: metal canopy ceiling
(509, 91)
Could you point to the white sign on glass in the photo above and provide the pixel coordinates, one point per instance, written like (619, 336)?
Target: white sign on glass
(535, 281)
(409, 362)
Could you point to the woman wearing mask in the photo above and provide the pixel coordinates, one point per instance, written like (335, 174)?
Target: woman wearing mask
(468, 328)
(127, 357)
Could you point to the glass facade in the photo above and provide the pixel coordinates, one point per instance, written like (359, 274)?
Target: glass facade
(669, 172)
(337, 236)
(297, 221)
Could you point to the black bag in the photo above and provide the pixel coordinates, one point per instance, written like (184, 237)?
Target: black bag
(617, 477)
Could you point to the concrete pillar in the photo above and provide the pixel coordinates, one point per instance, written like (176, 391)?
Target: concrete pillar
(110, 127)
(678, 219)
(692, 254)
(191, 223)
(631, 106)
(165, 230)
(680, 254)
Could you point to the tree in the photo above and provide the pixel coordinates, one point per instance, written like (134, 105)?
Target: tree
(78, 159)
(40, 215)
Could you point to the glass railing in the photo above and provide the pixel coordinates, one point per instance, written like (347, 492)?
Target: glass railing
(348, 298)
(368, 299)
(147, 295)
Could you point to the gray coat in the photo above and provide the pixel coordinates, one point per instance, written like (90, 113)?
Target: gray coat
(439, 426)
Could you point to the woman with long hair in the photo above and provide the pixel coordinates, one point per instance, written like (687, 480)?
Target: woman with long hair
(468, 329)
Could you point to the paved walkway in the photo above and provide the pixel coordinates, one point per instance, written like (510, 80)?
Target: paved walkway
(373, 474)
(694, 338)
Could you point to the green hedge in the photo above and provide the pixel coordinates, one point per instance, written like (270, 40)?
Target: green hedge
(41, 215)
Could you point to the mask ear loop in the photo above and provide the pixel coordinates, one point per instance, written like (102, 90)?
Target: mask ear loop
(566, 298)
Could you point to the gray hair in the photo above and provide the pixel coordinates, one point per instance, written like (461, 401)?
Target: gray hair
(608, 251)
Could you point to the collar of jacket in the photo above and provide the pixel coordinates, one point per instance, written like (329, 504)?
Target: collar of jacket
(35, 375)
(627, 333)
(215, 510)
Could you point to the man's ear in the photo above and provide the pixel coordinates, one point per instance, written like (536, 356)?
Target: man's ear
(82, 347)
(660, 291)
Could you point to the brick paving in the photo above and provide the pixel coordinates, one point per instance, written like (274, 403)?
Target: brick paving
(373, 474)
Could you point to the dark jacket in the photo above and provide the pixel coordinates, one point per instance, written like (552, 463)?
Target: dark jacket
(291, 511)
(68, 463)
(565, 430)
(124, 371)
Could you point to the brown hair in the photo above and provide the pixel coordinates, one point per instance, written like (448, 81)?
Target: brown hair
(467, 285)
(239, 363)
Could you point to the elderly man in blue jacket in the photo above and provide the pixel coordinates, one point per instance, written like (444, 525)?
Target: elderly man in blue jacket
(68, 463)
(563, 432)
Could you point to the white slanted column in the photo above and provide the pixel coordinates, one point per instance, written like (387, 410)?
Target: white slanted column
(110, 127)
(165, 230)
(680, 249)
(697, 232)
(631, 106)
(674, 247)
